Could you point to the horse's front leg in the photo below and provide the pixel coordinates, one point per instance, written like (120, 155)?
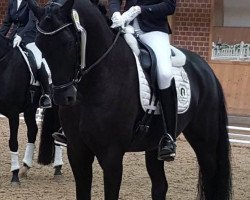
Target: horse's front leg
(81, 159)
(111, 163)
(156, 172)
(30, 120)
(13, 145)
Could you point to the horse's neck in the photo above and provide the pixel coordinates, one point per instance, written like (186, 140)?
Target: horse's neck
(99, 35)
(5, 46)
(116, 67)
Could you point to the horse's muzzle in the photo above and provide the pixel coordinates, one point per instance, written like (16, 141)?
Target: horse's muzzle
(65, 96)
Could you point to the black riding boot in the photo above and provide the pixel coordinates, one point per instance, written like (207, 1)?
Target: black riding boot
(60, 138)
(45, 101)
(168, 101)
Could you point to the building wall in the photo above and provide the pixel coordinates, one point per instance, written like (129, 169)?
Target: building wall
(4, 4)
(237, 13)
(235, 79)
(192, 26)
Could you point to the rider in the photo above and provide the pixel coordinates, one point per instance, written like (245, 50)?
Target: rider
(149, 20)
(24, 30)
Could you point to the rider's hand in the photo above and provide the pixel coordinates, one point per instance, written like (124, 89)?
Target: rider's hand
(131, 14)
(17, 41)
(117, 20)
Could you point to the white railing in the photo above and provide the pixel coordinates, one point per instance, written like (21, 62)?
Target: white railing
(239, 52)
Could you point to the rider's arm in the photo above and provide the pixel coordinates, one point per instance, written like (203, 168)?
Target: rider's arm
(159, 10)
(114, 6)
(30, 26)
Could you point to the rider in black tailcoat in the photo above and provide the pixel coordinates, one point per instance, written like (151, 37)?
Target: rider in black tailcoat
(24, 30)
(148, 19)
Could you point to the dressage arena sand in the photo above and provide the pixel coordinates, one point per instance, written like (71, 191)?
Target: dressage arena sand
(182, 175)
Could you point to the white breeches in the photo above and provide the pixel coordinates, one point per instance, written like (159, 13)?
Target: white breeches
(37, 53)
(159, 42)
(39, 59)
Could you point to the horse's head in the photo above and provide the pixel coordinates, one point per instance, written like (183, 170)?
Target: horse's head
(57, 40)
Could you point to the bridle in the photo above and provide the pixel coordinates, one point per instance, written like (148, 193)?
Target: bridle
(80, 70)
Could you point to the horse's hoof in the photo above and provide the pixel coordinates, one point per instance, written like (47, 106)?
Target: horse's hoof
(23, 172)
(15, 184)
(58, 178)
(58, 170)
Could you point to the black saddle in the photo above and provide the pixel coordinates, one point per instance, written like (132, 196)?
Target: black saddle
(34, 92)
(148, 62)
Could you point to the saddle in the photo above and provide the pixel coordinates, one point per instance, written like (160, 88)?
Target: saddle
(34, 91)
(148, 63)
(146, 67)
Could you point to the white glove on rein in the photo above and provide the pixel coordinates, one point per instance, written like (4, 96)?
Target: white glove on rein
(117, 20)
(131, 14)
(17, 40)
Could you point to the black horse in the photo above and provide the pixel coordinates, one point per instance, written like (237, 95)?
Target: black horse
(100, 114)
(15, 98)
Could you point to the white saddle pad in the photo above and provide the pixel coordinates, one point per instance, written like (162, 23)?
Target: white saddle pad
(181, 81)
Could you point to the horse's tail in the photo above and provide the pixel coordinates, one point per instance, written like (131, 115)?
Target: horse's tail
(50, 124)
(223, 177)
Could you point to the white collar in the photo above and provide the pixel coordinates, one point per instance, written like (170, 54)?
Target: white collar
(18, 3)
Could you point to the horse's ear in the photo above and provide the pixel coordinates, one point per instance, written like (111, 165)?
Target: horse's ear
(38, 12)
(67, 6)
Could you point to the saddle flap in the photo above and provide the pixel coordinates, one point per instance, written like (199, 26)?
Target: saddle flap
(148, 62)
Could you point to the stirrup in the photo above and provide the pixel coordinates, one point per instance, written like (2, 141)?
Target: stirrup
(166, 148)
(48, 105)
(60, 138)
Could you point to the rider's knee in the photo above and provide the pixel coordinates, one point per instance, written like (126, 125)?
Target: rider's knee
(37, 54)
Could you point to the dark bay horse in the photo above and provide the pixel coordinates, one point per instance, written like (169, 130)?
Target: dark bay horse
(99, 113)
(15, 98)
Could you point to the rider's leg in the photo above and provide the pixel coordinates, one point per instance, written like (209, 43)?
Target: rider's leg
(43, 77)
(159, 42)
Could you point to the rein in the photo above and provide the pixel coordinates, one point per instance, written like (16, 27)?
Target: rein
(87, 70)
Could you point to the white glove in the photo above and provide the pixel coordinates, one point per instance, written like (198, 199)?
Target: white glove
(17, 41)
(117, 20)
(131, 14)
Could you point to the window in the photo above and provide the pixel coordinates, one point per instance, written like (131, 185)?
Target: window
(231, 30)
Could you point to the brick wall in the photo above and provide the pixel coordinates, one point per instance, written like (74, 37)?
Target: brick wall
(4, 4)
(191, 26)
